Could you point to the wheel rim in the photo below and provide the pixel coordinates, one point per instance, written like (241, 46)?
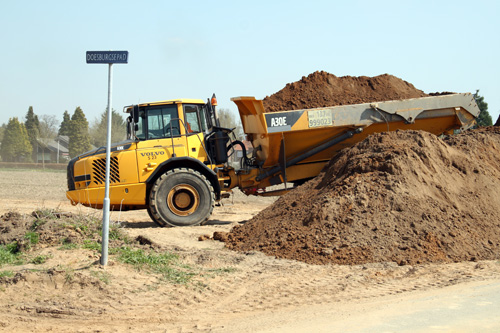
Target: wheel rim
(183, 200)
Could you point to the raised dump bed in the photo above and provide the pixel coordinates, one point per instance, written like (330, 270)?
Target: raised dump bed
(312, 136)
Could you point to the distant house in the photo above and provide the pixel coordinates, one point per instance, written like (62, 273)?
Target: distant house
(52, 150)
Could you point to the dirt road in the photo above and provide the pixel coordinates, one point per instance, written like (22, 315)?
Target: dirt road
(232, 291)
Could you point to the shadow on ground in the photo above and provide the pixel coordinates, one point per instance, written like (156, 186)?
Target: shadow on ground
(149, 224)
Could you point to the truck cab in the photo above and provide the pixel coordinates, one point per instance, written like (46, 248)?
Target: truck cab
(167, 165)
(177, 126)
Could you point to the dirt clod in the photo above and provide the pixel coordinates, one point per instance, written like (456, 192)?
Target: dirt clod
(202, 238)
(143, 240)
(220, 236)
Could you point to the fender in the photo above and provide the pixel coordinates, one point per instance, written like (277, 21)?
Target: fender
(186, 162)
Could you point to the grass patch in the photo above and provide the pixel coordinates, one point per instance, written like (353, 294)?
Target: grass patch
(10, 255)
(91, 245)
(42, 216)
(45, 214)
(69, 276)
(41, 259)
(87, 226)
(32, 238)
(160, 263)
(91, 227)
(103, 276)
(6, 274)
(116, 233)
(37, 223)
(68, 245)
(69, 273)
(223, 270)
(91, 230)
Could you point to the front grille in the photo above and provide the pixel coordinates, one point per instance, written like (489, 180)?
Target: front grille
(99, 171)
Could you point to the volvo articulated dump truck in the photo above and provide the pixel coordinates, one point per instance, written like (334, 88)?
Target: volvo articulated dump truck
(175, 160)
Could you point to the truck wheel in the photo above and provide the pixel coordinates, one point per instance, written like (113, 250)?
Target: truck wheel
(181, 197)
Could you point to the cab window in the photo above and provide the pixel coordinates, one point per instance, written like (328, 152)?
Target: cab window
(194, 118)
(140, 133)
(163, 122)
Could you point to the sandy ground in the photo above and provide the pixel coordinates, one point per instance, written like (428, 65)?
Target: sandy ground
(236, 292)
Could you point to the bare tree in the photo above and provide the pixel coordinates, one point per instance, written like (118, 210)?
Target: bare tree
(99, 128)
(229, 119)
(48, 131)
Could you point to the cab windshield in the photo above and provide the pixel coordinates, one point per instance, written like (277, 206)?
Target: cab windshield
(158, 122)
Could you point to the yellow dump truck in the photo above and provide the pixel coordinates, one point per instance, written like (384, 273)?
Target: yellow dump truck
(175, 160)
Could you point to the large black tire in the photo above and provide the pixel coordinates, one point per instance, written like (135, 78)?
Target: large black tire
(181, 197)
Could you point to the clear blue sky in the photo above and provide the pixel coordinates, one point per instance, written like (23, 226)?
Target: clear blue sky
(191, 49)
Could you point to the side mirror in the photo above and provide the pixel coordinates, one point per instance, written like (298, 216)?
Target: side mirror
(135, 113)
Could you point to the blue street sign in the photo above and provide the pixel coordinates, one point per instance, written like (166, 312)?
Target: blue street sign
(107, 57)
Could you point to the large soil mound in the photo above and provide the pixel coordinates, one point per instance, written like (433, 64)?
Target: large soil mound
(321, 89)
(406, 196)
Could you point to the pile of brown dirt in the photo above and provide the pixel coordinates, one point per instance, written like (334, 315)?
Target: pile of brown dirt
(406, 196)
(322, 89)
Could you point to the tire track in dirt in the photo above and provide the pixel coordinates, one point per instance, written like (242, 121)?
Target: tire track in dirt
(279, 284)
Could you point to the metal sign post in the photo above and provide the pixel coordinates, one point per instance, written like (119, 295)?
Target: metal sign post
(110, 58)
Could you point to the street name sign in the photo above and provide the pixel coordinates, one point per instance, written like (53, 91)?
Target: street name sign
(107, 57)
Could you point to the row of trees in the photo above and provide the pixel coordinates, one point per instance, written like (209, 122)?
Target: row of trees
(20, 139)
(484, 118)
